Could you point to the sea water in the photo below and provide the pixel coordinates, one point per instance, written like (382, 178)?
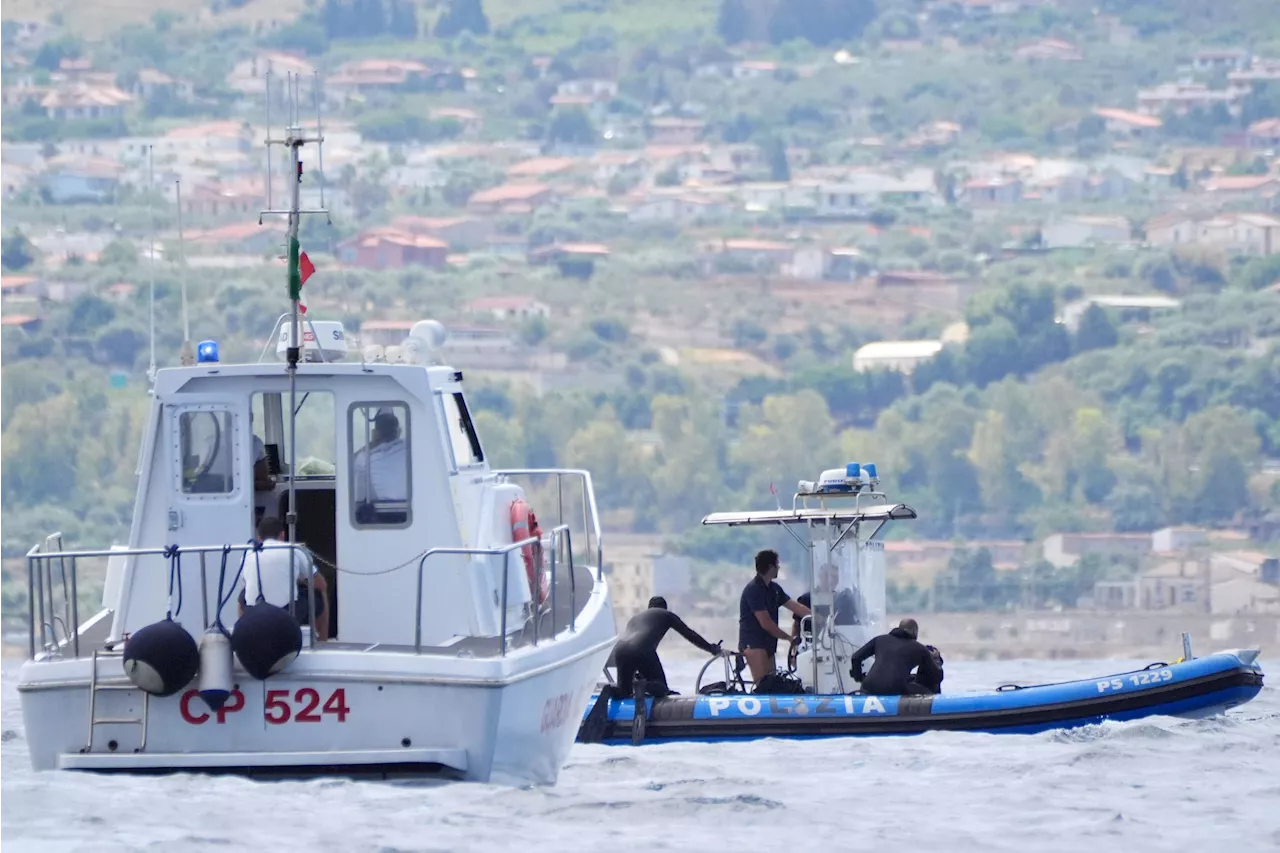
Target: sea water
(1159, 784)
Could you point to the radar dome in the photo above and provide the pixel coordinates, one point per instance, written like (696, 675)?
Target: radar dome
(425, 339)
(430, 332)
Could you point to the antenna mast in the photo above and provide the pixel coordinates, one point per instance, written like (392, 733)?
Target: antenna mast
(151, 261)
(185, 354)
(293, 140)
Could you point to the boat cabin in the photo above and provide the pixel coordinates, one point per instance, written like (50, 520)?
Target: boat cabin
(385, 464)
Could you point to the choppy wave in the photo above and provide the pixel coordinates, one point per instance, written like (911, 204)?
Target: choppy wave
(1153, 785)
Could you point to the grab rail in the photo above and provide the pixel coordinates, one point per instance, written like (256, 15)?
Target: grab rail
(40, 586)
(40, 590)
(505, 552)
(591, 525)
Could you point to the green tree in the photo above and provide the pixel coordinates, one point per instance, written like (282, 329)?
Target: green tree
(1096, 331)
(776, 154)
(732, 22)
(462, 16)
(119, 253)
(686, 481)
(788, 438)
(40, 448)
(1223, 488)
(16, 251)
(1260, 273)
(604, 448)
(992, 352)
(572, 126)
(969, 581)
(1134, 508)
(1004, 489)
(821, 22)
(1015, 331)
(52, 52)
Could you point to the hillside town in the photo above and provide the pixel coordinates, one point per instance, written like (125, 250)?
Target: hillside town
(805, 227)
(584, 218)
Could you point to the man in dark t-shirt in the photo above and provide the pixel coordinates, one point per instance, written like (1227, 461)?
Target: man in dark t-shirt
(758, 629)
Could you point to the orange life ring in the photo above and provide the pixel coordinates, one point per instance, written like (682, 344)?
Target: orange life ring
(523, 525)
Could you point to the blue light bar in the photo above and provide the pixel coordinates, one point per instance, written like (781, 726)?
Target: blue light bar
(207, 352)
(853, 471)
(869, 468)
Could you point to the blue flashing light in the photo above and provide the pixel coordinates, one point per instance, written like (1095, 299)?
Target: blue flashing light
(869, 468)
(207, 352)
(853, 471)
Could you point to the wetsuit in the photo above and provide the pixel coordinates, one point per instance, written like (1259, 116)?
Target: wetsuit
(925, 679)
(759, 596)
(896, 654)
(636, 652)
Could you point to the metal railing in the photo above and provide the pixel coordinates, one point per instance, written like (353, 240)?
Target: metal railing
(590, 513)
(42, 604)
(505, 552)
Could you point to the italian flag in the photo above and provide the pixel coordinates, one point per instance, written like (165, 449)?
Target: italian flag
(300, 269)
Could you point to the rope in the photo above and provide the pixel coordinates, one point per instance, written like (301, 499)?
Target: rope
(175, 569)
(257, 562)
(222, 574)
(322, 561)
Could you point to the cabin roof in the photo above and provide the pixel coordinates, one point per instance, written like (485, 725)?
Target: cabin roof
(881, 512)
(170, 380)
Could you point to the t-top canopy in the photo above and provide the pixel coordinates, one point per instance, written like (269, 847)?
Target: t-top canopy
(882, 512)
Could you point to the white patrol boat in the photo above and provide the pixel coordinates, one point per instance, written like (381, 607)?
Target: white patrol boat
(465, 636)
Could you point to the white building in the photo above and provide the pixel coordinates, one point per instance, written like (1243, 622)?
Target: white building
(1168, 539)
(1073, 232)
(1140, 305)
(902, 356)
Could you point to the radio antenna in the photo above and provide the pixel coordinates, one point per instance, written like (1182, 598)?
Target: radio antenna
(185, 354)
(151, 260)
(293, 139)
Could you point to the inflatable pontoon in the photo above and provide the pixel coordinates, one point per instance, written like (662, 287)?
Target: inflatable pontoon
(838, 520)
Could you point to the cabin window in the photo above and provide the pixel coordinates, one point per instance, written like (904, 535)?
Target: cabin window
(463, 441)
(381, 488)
(315, 427)
(206, 451)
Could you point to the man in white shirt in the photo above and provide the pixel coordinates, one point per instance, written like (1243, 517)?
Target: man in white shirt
(381, 472)
(276, 566)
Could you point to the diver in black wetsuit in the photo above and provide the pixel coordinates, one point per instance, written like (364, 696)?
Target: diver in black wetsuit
(640, 670)
(636, 652)
(897, 653)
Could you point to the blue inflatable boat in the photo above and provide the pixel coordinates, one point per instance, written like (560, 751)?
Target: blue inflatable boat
(1195, 688)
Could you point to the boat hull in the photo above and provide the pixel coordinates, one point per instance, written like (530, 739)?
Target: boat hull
(1202, 687)
(347, 712)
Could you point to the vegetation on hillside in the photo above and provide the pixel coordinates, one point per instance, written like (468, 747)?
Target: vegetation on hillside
(1026, 428)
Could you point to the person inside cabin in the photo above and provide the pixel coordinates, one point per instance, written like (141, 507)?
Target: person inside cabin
(636, 653)
(276, 566)
(897, 654)
(758, 630)
(380, 471)
(846, 603)
(262, 479)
